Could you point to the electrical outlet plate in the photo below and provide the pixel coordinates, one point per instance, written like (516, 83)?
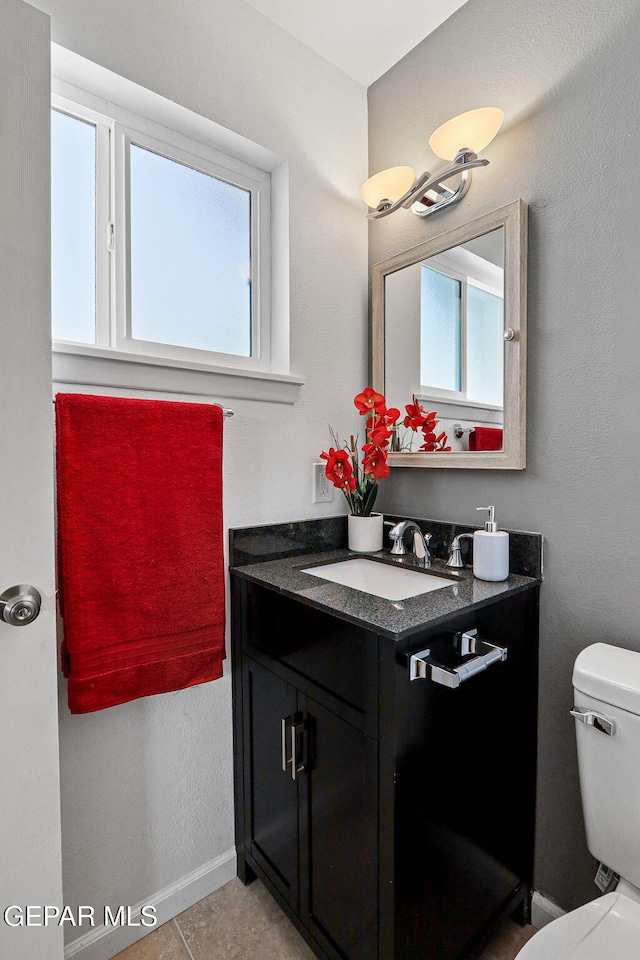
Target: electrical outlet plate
(322, 488)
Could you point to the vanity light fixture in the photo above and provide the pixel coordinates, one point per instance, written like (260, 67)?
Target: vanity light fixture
(459, 140)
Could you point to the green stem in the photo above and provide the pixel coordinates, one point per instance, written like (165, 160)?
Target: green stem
(370, 500)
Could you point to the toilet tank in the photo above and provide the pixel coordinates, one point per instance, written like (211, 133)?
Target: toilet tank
(606, 681)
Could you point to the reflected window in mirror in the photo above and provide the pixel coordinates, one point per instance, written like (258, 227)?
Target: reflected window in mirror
(441, 309)
(462, 323)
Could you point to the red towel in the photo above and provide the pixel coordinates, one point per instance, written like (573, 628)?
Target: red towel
(141, 576)
(485, 438)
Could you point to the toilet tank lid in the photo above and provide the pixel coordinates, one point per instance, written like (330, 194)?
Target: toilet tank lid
(610, 674)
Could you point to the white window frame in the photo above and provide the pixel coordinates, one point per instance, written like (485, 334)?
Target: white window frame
(125, 110)
(470, 270)
(113, 234)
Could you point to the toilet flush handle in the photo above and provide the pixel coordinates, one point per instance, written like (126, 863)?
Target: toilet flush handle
(603, 724)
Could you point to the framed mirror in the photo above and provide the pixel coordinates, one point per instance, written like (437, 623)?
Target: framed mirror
(449, 328)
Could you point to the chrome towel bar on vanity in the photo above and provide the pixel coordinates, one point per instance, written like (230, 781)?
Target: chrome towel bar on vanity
(422, 667)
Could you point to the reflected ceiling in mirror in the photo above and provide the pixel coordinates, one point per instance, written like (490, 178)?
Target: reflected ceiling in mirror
(449, 328)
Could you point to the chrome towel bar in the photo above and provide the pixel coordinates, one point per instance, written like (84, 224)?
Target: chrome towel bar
(422, 667)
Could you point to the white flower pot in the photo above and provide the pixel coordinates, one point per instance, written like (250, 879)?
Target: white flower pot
(365, 533)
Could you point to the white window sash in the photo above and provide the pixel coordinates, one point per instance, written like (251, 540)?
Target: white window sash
(103, 127)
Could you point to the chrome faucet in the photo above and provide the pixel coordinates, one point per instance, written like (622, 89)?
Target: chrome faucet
(455, 553)
(420, 541)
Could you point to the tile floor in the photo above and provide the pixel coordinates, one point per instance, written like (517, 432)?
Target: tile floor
(245, 923)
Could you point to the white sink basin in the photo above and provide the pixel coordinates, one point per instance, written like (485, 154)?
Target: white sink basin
(379, 579)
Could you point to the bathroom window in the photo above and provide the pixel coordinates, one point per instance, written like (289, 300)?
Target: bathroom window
(170, 245)
(160, 245)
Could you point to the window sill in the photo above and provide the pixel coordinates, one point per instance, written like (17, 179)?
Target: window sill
(99, 367)
(467, 409)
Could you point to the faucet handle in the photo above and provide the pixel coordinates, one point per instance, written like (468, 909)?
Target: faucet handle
(455, 554)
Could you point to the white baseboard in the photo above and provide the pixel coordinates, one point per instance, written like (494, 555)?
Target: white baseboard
(544, 910)
(104, 942)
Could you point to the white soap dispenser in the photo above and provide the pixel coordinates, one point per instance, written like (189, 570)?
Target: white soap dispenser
(490, 550)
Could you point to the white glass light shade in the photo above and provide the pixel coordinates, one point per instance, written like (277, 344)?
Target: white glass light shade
(473, 130)
(387, 185)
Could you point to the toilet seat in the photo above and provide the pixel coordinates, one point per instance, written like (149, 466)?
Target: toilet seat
(608, 928)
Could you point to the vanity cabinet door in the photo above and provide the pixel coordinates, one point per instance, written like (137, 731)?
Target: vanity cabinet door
(338, 842)
(271, 795)
(313, 837)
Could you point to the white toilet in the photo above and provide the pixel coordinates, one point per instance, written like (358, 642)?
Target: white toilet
(606, 683)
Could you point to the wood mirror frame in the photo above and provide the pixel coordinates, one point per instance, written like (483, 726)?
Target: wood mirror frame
(513, 219)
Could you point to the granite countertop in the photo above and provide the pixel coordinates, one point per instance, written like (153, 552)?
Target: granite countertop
(396, 619)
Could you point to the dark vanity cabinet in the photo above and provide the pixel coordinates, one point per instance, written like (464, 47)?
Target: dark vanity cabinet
(307, 812)
(391, 818)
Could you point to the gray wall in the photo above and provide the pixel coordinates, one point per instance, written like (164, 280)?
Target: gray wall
(567, 76)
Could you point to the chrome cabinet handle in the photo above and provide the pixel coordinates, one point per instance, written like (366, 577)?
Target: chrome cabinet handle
(296, 766)
(285, 725)
(20, 605)
(603, 724)
(422, 667)
(290, 729)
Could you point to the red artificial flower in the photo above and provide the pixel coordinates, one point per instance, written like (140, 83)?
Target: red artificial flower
(346, 484)
(386, 418)
(429, 424)
(433, 443)
(375, 464)
(339, 470)
(357, 476)
(369, 400)
(415, 414)
(378, 437)
(328, 456)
